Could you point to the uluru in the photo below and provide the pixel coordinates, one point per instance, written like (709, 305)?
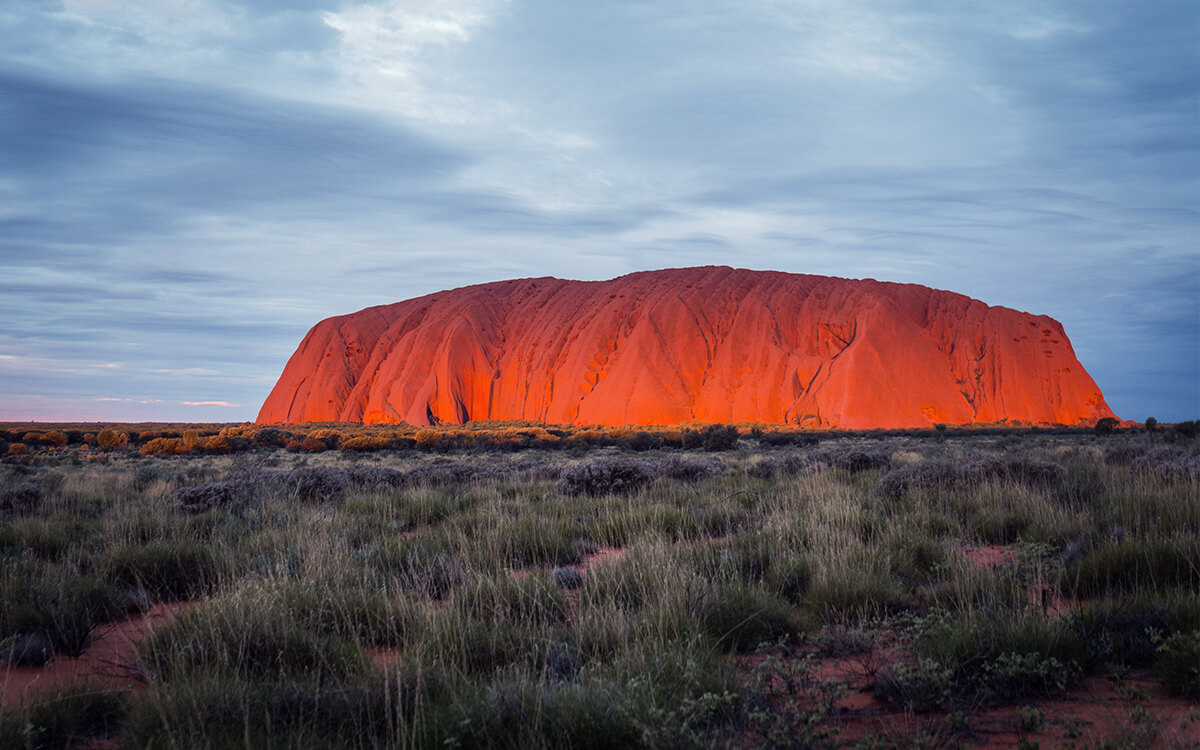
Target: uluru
(711, 344)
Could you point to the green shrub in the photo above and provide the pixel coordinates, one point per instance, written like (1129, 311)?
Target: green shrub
(923, 686)
(1120, 631)
(1178, 665)
(1003, 656)
(1012, 675)
(717, 437)
(74, 717)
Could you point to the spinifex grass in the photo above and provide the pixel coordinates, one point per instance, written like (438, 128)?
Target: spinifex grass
(407, 599)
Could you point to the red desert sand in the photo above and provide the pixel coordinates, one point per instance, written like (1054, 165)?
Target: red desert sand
(712, 344)
(107, 663)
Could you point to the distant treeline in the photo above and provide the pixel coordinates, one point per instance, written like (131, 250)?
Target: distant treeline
(183, 439)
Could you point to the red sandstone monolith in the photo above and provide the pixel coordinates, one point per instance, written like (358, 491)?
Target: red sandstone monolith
(711, 344)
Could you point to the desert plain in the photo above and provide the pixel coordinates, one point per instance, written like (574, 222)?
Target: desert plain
(515, 585)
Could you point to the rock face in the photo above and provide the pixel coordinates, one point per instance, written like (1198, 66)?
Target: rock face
(710, 344)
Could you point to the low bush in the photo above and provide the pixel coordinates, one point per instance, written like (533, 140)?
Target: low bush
(365, 443)
(852, 460)
(218, 445)
(162, 446)
(719, 438)
(329, 438)
(110, 440)
(1120, 631)
(1178, 664)
(1003, 656)
(74, 717)
(644, 441)
(689, 469)
(606, 476)
(786, 438)
(21, 495)
(26, 650)
(305, 445)
(615, 475)
(789, 465)
(202, 497)
(943, 476)
(271, 437)
(1123, 454)
(1170, 463)
(369, 476)
(923, 685)
(314, 484)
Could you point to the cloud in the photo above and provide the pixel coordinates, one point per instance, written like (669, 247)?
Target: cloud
(187, 187)
(208, 403)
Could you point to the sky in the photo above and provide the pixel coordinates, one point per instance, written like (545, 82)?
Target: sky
(187, 186)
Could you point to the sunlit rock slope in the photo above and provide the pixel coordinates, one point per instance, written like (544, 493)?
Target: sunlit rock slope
(712, 344)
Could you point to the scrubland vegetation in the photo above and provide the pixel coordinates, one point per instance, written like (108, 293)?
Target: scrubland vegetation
(508, 586)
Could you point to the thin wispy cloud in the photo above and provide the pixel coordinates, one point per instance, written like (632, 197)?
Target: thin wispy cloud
(186, 188)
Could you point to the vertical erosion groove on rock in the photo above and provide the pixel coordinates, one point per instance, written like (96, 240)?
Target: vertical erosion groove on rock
(710, 344)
